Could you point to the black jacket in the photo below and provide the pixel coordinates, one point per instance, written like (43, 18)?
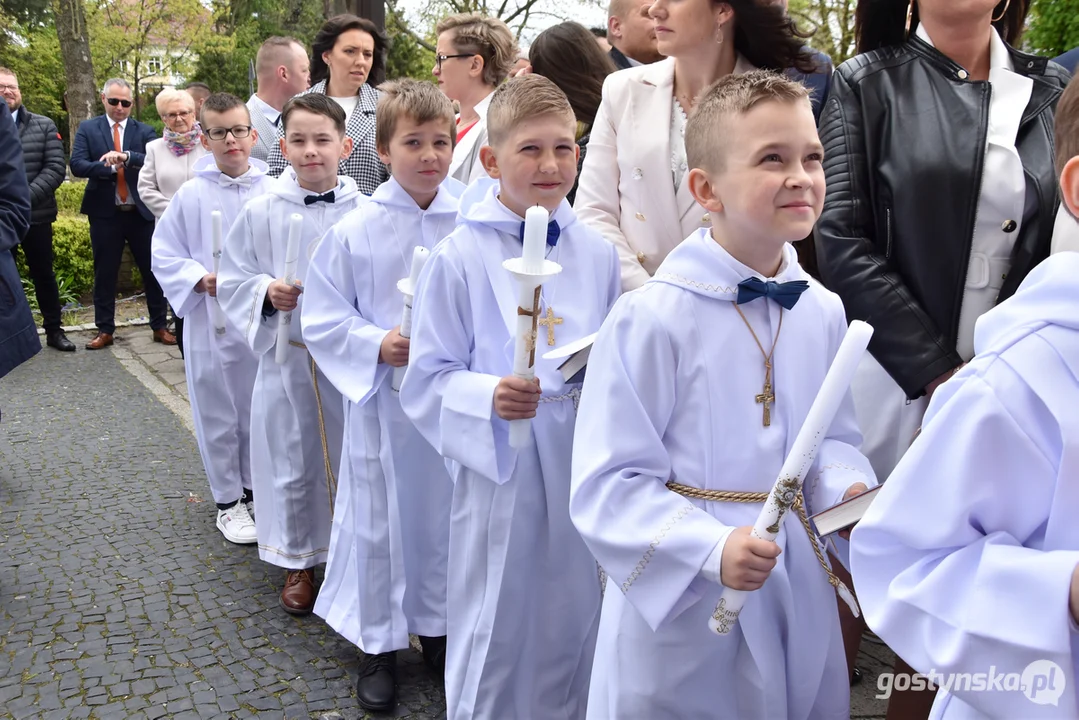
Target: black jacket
(18, 335)
(904, 139)
(43, 154)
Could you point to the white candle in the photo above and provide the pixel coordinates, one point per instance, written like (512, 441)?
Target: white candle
(215, 240)
(801, 457)
(535, 239)
(419, 257)
(292, 259)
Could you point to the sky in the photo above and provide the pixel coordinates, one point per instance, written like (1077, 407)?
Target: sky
(545, 13)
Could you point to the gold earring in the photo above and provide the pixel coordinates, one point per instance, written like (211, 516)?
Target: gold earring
(719, 35)
(1002, 12)
(910, 15)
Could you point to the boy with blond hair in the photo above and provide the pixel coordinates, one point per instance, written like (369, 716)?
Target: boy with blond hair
(386, 575)
(524, 595)
(697, 386)
(296, 415)
(967, 563)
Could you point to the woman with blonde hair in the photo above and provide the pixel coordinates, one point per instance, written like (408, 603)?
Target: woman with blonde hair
(473, 55)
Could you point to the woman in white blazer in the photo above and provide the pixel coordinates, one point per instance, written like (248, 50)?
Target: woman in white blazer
(170, 159)
(632, 187)
(473, 55)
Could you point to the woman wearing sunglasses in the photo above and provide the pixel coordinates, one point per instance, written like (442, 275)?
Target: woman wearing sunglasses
(473, 55)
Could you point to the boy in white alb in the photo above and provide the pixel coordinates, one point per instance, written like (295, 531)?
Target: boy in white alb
(524, 594)
(220, 367)
(296, 414)
(697, 386)
(967, 562)
(386, 575)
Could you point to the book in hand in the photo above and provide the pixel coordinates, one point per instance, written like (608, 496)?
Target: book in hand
(844, 515)
(576, 358)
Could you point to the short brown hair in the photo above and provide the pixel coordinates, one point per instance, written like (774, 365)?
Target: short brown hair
(317, 103)
(524, 98)
(421, 101)
(733, 95)
(1066, 132)
(6, 71)
(221, 102)
(488, 37)
(273, 51)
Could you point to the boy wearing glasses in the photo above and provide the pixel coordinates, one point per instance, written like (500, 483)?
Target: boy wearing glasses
(220, 368)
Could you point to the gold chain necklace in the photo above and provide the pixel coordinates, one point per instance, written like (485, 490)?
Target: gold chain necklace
(767, 396)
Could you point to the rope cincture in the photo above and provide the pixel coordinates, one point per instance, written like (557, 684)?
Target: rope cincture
(331, 481)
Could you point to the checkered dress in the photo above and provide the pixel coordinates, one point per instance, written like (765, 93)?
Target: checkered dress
(362, 165)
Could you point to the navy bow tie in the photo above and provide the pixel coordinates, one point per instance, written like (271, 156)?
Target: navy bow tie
(324, 197)
(553, 233)
(786, 294)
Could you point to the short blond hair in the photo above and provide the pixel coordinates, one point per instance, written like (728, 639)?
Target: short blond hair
(169, 95)
(421, 101)
(488, 37)
(524, 98)
(733, 95)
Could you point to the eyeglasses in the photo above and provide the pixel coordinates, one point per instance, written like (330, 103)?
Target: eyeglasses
(219, 133)
(177, 115)
(440, 58)
(5, 88)
(117, 101)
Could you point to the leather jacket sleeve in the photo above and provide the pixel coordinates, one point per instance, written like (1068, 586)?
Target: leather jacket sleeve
(854, 259)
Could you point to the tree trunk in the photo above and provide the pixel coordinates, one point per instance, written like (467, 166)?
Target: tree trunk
(81, 95)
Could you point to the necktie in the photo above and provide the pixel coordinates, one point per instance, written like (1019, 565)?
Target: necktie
(786, 294)
(121, 181)
(324, 197)
(553, 233)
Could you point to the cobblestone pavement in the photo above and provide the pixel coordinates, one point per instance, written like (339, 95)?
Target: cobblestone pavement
(118, 596)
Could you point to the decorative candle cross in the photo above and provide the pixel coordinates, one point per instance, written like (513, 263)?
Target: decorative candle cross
(549, 322)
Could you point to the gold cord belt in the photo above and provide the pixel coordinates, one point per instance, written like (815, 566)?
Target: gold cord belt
(760, 497)
(331, 481)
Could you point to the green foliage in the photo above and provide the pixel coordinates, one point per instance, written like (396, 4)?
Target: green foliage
(69, 197)
(407, 58)
(1053, 27)
(35, 59)
(73, 258)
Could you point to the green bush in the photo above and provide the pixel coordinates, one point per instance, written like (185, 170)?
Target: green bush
(73, 260)
(69, 197)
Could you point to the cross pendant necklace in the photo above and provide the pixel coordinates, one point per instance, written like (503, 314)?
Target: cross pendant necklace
(767, 396)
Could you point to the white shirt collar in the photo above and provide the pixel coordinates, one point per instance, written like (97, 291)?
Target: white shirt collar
(999, 57)
(122, 124)
(265, 108)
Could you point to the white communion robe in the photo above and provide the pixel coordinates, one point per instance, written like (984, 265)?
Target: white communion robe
(386, 576)
(289, 463)
(964, 560)
(670, 396)
(220, 369)
(524, 592)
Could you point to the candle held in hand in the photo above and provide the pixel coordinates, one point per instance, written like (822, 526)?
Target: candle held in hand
(535, 239)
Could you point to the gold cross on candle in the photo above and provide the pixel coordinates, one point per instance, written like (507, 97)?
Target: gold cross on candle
(765, 398)
(550, 321)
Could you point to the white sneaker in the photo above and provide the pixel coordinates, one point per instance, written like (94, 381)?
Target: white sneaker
(237, 525)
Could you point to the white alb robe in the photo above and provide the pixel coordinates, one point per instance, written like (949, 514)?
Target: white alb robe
(386, 575)
(524, 593)
(964, 560)
(288, 461)
(670, 395)
(220, 369)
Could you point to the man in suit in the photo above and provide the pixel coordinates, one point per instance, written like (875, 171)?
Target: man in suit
(109, 150)
(1070, 60)
(18, 336)
(631, 33)
(283, 70)
(46, 167)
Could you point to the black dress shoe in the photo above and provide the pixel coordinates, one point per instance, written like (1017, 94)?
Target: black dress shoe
(434, 653)
(376, 688)
(59, 341)
(856, 677)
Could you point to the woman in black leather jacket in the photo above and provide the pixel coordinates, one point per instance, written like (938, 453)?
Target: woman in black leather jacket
(941, 194)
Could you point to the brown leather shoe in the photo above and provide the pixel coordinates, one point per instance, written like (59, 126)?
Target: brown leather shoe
(101, 340)
(164, 337)
(298, 595)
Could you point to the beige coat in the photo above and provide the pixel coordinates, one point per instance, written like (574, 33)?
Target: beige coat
(163, 173)
(626, 190)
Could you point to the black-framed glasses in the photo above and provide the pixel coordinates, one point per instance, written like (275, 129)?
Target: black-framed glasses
(220, 133)
(440, 58)
(117, 101)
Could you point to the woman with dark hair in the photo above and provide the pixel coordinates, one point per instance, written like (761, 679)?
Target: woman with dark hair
(348, 63)
(941, 197)
(632, 186)
(568, 56)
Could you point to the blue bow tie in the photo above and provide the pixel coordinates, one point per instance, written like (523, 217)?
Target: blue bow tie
(324, 197)
(786, 294)
(553, 233)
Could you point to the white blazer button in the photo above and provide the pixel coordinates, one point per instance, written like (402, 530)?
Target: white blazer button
(637, 174)
(641, 258)
(640, 216)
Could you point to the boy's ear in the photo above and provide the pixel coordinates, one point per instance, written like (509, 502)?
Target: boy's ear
(704, 190)
(1069, 186)
(383, 155)
(206, 141)
(490, 162)
(254, 136)
(283, 146)
(346, 148)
